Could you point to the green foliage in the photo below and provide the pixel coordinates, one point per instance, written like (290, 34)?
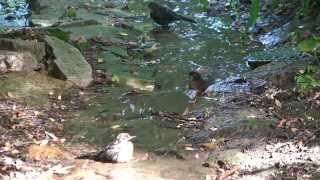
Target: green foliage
(305, 7)
(275, 4)
(2, 30)
(82, 46)
(71, 13)
(115, 79)
(309, 45)
(254, 12)
(65, 36)
(301, 7)
(306, 81)
(204, 3)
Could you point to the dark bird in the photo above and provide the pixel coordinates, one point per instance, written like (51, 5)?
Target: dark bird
(164, 16)
(198, 83)
(118, 151)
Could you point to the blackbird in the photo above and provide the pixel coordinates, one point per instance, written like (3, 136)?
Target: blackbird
(164, 16)
(198, 83)
(118, 151)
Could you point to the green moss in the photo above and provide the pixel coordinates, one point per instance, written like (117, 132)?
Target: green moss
(63, 35)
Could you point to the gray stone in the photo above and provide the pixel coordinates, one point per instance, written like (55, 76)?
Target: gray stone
(280, 74)
(37, 49)
(276, 36)
(237, 85)
(260, 58)
(33, 88)
(69, 63)
(17, 61)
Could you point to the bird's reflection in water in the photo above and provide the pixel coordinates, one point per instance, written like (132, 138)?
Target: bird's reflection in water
(161, 30)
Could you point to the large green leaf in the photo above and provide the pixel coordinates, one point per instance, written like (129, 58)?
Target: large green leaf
(254, 12)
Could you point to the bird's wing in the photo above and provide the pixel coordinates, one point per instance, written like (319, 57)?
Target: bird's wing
(165, 13)
(114, 147)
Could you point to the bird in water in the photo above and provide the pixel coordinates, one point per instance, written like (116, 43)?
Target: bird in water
(164, 16)
(118, 151)
(198, 83)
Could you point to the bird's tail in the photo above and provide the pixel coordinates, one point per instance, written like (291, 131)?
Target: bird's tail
(187, 19)
(100, 157)
(91, 156)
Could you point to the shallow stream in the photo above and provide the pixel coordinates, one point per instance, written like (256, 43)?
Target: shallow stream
(210, 45)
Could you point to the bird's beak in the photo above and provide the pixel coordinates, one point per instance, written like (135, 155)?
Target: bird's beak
(131, 137)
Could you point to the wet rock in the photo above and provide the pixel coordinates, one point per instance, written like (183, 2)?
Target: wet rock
(192, 94)
(77, 23)
(34, 6)
(17, 61)
(35, 48)
(69, 63)
(218, 8)
(236, 85)
(255, 64)
(280, 74)
(276, 36)
(32, 88)
(283, 53)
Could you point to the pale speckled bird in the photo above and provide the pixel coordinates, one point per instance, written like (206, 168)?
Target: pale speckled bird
(118, 151)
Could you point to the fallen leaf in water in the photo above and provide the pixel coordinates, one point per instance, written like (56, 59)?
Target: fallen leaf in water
(117, 126)
(208, 146)
(100, 60)
(189, 148)
(123, 34)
